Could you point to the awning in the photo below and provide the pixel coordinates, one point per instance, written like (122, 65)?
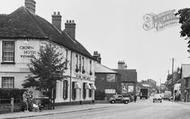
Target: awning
(93, 87)
(87, 86)
(77, 86)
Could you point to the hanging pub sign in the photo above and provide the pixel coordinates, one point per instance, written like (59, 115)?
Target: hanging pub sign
(160, 21)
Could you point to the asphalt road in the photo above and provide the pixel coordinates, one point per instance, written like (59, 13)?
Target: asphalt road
(143, 109)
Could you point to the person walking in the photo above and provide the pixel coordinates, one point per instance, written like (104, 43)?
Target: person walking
(135, 98)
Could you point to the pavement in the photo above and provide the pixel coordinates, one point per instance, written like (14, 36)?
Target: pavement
(57, 110)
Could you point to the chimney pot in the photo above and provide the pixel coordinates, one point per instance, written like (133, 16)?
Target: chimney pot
(97, 56)
(70, 27)
(122, 65)
(30, 5)
(56, 20)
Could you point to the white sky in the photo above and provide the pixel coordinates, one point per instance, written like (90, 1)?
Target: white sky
(114, 29)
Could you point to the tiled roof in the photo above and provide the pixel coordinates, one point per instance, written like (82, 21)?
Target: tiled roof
(99, 68)
(23, 24)
(128, 75)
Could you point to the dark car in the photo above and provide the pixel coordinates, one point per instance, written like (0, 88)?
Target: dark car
(119, 99)
(44, 102)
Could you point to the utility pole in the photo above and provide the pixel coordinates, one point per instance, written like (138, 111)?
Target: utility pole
(172, 89)
(160, 85)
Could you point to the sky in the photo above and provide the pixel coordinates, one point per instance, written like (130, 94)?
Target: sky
(114, 29)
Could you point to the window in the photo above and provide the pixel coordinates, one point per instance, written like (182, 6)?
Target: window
(65, 89)
(7, 82)
(73, 91)
(77, 69)
(84, 90)
(83, 71)
(8, 51)
(90, 91)
(66, 64)
(80, 63)
(90, 67)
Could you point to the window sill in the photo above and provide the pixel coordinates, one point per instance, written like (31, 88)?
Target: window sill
(7, 62)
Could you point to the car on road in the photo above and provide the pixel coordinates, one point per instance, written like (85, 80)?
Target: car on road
(157, 98)
(119, 99)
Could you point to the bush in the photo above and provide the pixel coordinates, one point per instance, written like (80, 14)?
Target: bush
(7, 94)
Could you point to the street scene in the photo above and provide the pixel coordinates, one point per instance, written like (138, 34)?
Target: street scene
(97, 59)
(142, 109)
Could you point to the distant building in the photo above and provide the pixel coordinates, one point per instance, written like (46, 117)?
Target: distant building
(185, 83)
(127, 79)
(106, 82)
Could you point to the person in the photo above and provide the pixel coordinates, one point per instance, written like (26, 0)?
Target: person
(135, 98)
(35, 107)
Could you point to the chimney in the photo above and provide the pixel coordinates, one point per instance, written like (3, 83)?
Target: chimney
(97, 56)
(56, 20)
(122, 65)
(30, 5)
(70, 28)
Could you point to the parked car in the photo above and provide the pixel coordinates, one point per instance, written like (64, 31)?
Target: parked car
(119, 99)
(43, 102)
(157, 98)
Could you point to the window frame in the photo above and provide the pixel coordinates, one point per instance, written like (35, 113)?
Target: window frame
(3, 52)
(74, 95)
(2, 81)
(90, 91)
(84, 90)
(65, 89)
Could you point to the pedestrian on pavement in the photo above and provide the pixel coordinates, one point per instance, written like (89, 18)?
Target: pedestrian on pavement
(135, 98)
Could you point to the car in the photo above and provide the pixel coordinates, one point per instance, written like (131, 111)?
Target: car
(119, 99)
(44, 102)
(157, 98)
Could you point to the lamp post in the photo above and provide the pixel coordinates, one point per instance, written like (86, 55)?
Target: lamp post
(56, 76)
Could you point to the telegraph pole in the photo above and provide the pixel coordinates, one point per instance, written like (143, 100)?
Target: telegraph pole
(172, 78)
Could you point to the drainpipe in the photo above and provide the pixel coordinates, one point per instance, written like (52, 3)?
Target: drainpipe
(71, 76)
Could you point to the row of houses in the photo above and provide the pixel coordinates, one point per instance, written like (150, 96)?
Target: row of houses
(178, 83)
(23, 33)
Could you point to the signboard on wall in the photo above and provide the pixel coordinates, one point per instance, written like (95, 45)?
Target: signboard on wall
(124, 88)
(110, 91)
(110, 77)
(130, 88)
(26, 49)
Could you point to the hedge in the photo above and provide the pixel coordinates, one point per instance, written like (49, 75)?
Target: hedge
(7, 94)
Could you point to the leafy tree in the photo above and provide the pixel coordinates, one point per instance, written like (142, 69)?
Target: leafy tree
(184, 20)
(46, 69)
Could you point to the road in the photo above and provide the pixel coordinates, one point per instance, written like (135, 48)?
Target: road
(143, 109)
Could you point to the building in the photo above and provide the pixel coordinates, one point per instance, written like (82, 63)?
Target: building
(106, 81)
(23, 33)
(127, 79)
(173, 83)
(185, 82)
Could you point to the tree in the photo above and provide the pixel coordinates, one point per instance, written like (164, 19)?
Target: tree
(46, 69)
(184, 20)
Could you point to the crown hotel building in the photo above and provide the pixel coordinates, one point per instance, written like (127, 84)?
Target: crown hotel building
(23, 33)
